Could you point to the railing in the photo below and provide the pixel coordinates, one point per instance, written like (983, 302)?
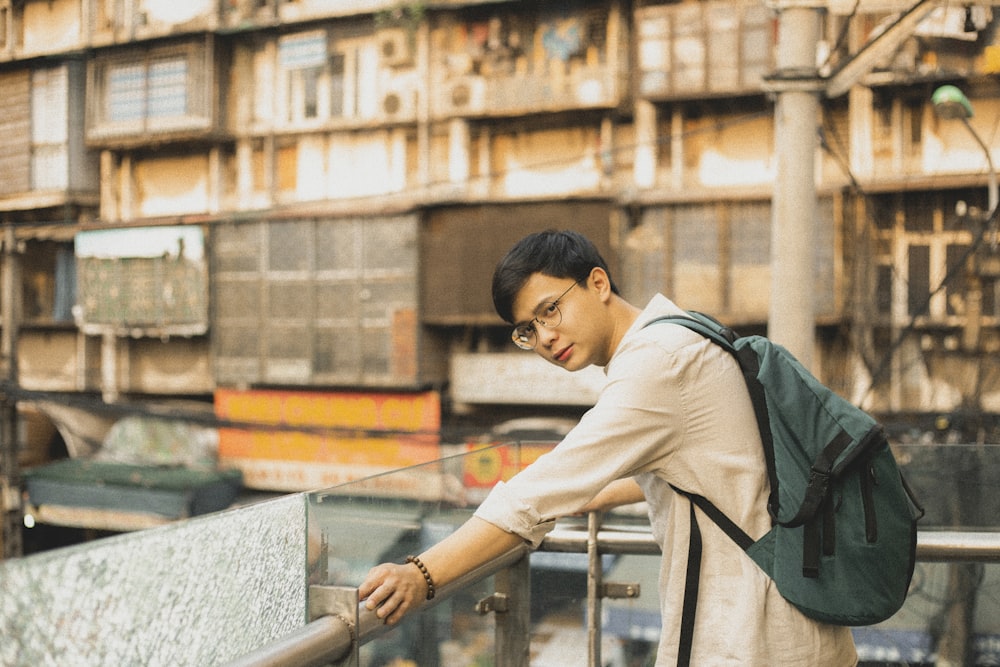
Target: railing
(341, 623)
(276, 581)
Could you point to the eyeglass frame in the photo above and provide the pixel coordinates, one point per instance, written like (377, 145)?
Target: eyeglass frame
(517, 339)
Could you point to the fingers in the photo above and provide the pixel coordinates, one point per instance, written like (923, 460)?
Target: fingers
(372, 581)
(389, 591)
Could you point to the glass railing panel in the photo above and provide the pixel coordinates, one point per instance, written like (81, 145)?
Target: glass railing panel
(957, 484)
(389, 516)
(385, 518)
(196, 592)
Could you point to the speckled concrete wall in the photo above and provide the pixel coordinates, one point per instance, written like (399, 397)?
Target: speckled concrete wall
(199, 592)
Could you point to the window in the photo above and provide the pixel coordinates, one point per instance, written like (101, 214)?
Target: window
(49, 282)
(49, 128)
(139, 91)
(716, 258)
(685, 48)
(321, 77)
(167, 82)
(922, 253)
(126, 93)
(163, 89)
(338, 86)
(303, 58)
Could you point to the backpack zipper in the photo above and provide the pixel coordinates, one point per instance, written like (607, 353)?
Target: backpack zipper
(868, 483)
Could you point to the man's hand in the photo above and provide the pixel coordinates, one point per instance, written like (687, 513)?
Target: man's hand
(393, 590)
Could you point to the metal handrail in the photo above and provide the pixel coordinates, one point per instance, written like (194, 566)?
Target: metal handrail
(932, 545)
(331, 638)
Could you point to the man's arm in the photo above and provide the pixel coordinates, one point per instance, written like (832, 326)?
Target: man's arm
(617, 493)
(393, 590)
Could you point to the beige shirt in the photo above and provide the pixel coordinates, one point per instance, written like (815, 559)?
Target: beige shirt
(675, 411)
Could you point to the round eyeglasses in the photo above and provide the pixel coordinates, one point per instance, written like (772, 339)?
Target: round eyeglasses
(547, 315)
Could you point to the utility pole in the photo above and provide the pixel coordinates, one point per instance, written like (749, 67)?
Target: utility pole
(11, 544)
(797, 87)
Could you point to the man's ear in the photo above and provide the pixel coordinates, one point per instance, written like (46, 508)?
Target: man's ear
(601, 282)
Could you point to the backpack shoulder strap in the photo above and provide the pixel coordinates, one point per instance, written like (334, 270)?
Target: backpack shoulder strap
(706, 325)
(745, 356)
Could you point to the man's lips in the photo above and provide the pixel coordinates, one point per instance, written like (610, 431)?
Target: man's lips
(563, 354)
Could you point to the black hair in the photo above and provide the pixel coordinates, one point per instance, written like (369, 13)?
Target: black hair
(560, 254)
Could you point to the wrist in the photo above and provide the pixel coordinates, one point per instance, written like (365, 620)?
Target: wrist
(425, 574)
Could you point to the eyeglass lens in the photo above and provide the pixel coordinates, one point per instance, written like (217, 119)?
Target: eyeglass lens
(549, 316)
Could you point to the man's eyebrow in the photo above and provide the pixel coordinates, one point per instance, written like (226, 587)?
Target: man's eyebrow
(534, 314)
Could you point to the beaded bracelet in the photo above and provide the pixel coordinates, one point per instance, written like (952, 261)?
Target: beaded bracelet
(427, 575)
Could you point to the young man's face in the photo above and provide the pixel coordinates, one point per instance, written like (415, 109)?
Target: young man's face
(576, 340)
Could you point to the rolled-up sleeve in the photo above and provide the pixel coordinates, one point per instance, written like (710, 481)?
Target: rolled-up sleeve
(508, 512)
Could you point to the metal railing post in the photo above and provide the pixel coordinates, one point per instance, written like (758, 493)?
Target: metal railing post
(594, 575)
(513, 623)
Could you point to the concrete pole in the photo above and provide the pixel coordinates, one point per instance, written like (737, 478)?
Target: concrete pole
(11, 539)
(791, 320)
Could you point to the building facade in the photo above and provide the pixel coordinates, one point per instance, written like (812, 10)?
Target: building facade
(253, 196)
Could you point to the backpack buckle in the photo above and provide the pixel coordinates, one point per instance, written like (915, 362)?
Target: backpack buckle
(816, 490)
(819, 482)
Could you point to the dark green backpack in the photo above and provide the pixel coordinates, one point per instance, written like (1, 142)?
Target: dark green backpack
(842, 545)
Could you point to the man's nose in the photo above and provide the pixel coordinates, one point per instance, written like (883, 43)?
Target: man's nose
(546, 335)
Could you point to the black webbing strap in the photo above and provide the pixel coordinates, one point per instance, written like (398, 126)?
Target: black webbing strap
(816, 513)
(750, 365)
(810, 549)
(829, 528)
(690, 594)
(819, 480)
(735, 533)
(819, 536)
(693, 575)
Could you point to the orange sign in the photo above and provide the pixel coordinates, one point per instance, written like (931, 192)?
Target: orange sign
(483, 469)
(343, 436)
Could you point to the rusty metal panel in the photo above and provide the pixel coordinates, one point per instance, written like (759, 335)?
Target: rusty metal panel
(690, 49)
(316, 302)
(15, 132)
(462, 245)
(715, 258)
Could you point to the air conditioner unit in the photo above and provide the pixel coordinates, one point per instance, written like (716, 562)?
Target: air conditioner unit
(465, 95)
(398, 103)
(394, 48)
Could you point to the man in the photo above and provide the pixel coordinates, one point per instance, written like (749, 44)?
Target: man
(674, 410)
